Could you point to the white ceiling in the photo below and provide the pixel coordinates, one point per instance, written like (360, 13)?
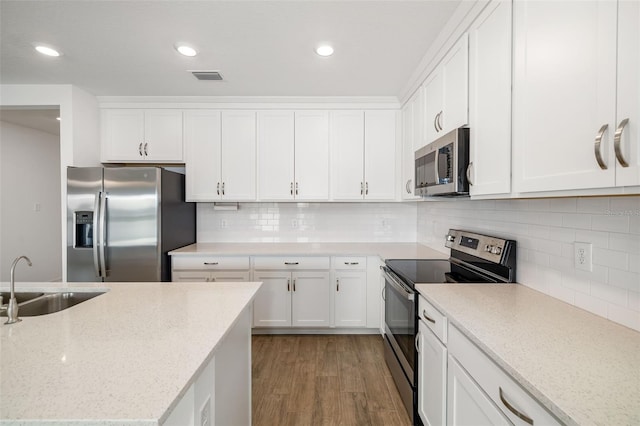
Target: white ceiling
(34, 118)
(262, 48)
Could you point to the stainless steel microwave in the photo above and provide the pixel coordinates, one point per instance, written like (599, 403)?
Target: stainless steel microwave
(441, 166)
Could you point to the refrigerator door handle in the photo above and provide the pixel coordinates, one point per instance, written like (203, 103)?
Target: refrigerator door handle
(103, 234)
(96, 235)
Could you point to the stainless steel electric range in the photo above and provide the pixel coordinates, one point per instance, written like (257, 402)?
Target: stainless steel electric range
(474, 258)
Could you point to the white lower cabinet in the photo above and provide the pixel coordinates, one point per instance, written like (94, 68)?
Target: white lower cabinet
(432, 377)
(349, 287)
(292, 297)
(467, 404)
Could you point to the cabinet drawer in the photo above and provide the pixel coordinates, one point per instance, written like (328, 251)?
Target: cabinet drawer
(433, 319)
(497, 384)
(349, 262)
(290, 262)
(210, 262)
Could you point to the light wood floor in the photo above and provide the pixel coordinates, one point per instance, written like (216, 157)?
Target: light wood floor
(323, 380)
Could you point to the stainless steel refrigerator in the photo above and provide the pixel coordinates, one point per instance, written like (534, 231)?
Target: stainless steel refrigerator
(122, 222)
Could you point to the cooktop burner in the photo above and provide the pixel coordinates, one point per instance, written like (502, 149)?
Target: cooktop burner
(428, 271)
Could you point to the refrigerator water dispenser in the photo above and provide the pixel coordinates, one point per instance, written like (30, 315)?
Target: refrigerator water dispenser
(83, 229)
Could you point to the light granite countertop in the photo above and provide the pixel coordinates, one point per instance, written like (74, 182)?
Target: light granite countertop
(125, 357)
(583, 368)
(383, 250)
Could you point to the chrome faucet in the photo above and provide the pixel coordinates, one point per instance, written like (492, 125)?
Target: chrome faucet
(12, 309)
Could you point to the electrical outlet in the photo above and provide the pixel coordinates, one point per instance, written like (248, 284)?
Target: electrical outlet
(205, 413)
(582, 256)
(294, 223)
(223, 224)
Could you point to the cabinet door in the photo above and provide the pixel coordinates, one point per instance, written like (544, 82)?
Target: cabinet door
(203, 151)
(239, 155)
(312, 155)
(467, 404)
(275, 155)
(408, 165)
(455, 89)
(190, 276)
(311, 299)
(490, 100)
(350, 289)
(272, 304)
(122, 134)
(432, 377)
(163, 135)
(629, 92)
(564, 94)
(347, 154)
(380, 155)
(433, 89)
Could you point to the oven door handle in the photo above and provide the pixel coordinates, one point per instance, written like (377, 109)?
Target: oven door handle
(395, 283)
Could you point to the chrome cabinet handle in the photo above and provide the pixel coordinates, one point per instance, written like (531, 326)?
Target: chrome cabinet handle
(222, 188)
(218, 188)
(291, 263)
(596, 147)
(469, 173)
(383, 294)
(513, 409)
(296, 188)
(294, 285)
(417, 342)
(427, 317)
(288, 285)
(366, 188)
(145, 149)
(439, 120)
(616, 143)
(140, 149)
(338, 285)
(211, 263)
(435, 121)
(291, 188)
(361, 188)
(406, 186)
(351, 263)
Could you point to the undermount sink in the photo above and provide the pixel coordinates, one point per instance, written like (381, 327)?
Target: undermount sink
(20, 297)
(48, 303)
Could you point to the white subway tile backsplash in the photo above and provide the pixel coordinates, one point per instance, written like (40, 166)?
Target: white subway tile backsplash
(546, 230)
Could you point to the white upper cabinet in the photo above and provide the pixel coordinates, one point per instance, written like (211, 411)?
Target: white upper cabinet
(276, 155)
(412, 139)
(311, 155)
(136, 135)
(239, 155)
(446, 92)
(220, 155)
(490, 100)
(628, 145)
(564, 97)
(203, 155)
(363, 148)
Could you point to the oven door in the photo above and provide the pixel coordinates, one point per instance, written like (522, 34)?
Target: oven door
(400, 321)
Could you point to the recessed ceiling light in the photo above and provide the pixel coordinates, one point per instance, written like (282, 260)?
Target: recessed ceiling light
(46, 50)
(186, 50)
(324, 50)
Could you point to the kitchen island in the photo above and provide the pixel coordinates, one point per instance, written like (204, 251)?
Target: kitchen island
(139, 354)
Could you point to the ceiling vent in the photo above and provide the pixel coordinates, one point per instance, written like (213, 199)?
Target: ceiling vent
(207, 75)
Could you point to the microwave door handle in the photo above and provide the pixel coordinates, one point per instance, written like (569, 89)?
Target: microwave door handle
(436, 168)
(96, 234)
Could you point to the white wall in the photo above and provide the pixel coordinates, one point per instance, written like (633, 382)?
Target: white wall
(545, 230)
(315, 222)
(30, 175)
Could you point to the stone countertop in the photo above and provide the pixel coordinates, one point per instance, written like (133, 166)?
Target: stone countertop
(383, 250)
(125, 357)
(583, 368)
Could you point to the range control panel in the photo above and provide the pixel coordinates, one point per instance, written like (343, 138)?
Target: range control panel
(482, 246)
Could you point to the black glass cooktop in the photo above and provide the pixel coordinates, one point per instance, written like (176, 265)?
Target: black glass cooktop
(430, 271)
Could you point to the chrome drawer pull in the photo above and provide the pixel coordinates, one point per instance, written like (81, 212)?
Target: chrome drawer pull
(351, 263)
(291, 263)
(513, 410)
(211, 263)
(424, 314)
(596, 147)
(616, 143)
